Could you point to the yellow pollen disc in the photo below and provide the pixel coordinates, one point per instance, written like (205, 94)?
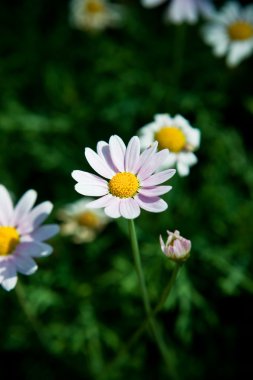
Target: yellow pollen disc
(124, 185)
(171, 138)
(94, 6)
(240, 30)
(9, 239)
(88, 219)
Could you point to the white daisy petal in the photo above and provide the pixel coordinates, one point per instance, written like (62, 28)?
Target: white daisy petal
(25, 265)
(146, 157)
(98, 164)
(158, 161)
(158, 178)
(45, 232)
(9, 276)
(103, 150)
(24, 205)
(183, 169)
(151, 3)
(155, 190)
(101, 202)
(92, 190)
(35, 217)
(33, 249)
(6, 207)
(112, 209)
(132, 155)
(117, 150)
(129, 208)
(154, 204)
(88, 178)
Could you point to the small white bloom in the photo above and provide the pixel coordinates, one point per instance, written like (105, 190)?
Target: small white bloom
(22, 236)
(176, 248)
(94, 15)
(82, 222)
(230, 32)
(175, 134)
(179, 11)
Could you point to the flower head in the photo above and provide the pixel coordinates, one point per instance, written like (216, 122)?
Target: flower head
(179, 11)
(230, 32)
(81, 222)
(131, 178)
(176, 248)
(175, 134)
(94, 15)
(22, 236)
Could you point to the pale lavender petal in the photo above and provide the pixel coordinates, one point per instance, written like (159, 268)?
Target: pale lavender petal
(146, 156)
(112, 209)
(88, 178)
(158, 178)
(132, 155)
(154, 204)
(25, 265)
(91, 190)
(98, 164)
(103, 150)
(33, 249)
(101, 202)
(35, 217)
(45, 232)
(154, 191)
(24, 205)
(129, 208)
(118, 151)
(150, 167)
(6, 207)
(9, 276)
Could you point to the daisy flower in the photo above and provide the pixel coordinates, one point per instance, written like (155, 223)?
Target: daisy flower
(179, 11)
(230, 32)
(81, 222)
(22, 236)
(131, 180)
(175, 134)
(94, 15)
(176, 247)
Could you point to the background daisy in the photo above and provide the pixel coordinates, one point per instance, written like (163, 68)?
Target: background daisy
(175, 134)
(230, 32)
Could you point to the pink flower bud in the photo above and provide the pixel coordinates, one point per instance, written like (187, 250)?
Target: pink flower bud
(176, 248)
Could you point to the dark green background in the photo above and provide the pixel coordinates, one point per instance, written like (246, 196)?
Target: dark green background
(63, 89)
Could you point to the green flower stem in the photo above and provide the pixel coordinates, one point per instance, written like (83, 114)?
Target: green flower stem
(29, 313)
(150, 316)
(137, 334)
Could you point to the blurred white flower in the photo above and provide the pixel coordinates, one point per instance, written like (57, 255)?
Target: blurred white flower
(81, 222)
(176, 248)
(230, 32)
(94, 15)
(175, 134)
(179, 11)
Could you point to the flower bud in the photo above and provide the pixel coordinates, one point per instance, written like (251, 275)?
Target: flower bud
(176, 248)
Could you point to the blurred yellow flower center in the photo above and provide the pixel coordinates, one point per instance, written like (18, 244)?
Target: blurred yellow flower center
(240, 30)
(171, 138)
(124, 185)
(88, 219)
(94, 6)
(9, 239)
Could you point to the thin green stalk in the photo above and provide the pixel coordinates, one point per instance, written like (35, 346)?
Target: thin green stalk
(137, 334)
(151, 320)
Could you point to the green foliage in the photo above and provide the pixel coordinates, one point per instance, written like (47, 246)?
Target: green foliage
(63, 90)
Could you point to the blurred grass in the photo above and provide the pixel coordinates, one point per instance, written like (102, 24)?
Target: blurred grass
(62, 90)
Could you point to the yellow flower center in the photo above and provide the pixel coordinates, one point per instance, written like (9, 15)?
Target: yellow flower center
(240, 30)
(88, 219)
(94, 6)
(9, 239)
(124, 185)
(171, 138)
